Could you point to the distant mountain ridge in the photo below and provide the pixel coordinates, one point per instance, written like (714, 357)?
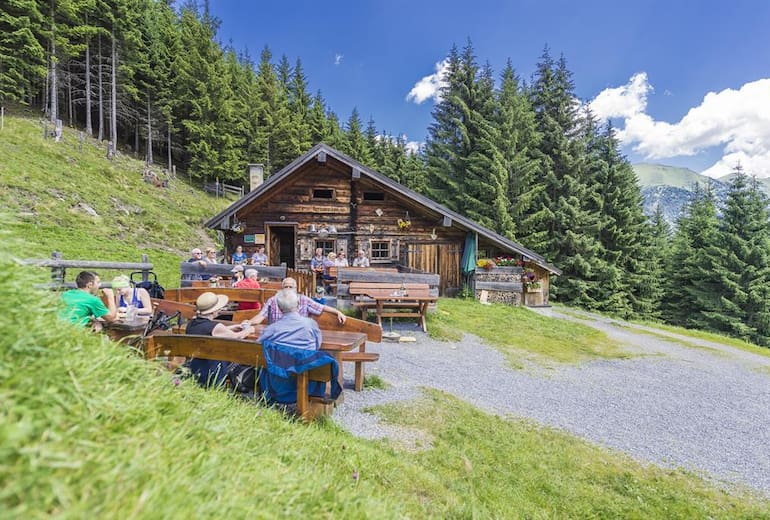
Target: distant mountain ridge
(671, 188)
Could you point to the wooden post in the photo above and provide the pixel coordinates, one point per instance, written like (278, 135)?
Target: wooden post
(80, 145)
(145, 272)
(45, 129)
(57, 273)
(2, 118)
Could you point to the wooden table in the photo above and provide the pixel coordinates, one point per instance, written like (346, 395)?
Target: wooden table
(389, 303)
(120, 329)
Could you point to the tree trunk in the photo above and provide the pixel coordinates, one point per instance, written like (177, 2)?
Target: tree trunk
(89, 125)
(169, 146)
(54, 86)
(69, 93)
(149, 131)
(136, 139)
(101, 91)
(114, 95)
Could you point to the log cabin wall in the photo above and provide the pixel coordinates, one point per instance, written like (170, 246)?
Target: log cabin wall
(364, 214)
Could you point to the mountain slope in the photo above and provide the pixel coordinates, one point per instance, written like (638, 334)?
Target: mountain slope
(70, 198)
(661, 175)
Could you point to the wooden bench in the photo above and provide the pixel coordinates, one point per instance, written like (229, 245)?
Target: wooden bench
(388, 301)
(363, 294)
(187, 310)
(373, 331)
(359, 358)
(190, 294)
(239, 351)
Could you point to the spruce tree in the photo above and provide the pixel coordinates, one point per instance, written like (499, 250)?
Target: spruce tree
(562, 224)
(690, 289)
(742, 264)
(22, 55)
(356, 145)
(519, 140)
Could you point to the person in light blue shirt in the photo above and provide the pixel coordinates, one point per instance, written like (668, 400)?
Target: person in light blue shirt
(239, 257)
(292, 330)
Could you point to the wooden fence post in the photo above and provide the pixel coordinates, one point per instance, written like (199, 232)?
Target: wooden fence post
(57, 273)
(145, 272)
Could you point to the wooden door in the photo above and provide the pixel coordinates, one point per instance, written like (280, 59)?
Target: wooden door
(441, 259)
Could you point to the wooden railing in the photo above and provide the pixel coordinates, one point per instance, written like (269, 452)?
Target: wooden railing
(59, 268)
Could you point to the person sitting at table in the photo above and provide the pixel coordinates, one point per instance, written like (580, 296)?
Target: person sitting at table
(83, 305)
(292, 329)
(317, 265)
(207, 306)
(259, 258)
(249, 282)
(126, 295)
(342, 260)
(239, 257)
(361, 259)
(211, 256)
(237, 276)
(196, 256)
(331, 258)
(307, 306)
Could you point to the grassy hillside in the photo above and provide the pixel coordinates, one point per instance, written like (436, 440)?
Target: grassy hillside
(88, 429)
(44, 186)
(659, 175)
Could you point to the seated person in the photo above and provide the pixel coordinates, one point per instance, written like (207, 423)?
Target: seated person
(361, 259)
(259, 258)
(307, 306)
(237, 271)
(207, 307)
(239, 257)
(317, 265)
(126, 295)
(196, 256)
(331, 258)
(82, 305)
(250, 281)
(342, 260)
(292, 330)
(211, 256)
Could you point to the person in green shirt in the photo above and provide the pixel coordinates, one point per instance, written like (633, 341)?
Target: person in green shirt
(83, 305)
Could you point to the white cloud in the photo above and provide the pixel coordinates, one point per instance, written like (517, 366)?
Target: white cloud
(430, 86)
(338, 58)
(413, 147)
(737, 120)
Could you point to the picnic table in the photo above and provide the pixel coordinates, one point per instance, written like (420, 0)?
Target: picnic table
(117, 330)
(391, 300)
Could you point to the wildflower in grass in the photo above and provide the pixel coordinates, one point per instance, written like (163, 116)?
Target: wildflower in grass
(355, 476)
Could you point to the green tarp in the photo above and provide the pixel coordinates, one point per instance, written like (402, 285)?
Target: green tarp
(468, 263)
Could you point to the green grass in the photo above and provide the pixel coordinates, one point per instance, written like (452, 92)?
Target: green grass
(42, 183)
(508, 468)
(710, 336)
(520, 333)
(89, 430)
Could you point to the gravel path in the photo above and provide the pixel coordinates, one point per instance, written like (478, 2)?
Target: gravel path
(701, 406)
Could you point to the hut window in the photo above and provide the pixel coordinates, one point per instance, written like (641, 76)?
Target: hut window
(374, 195)
(380, 250)
(323, 193)
(327, 245)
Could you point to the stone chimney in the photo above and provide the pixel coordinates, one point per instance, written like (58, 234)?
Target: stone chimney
(256, 176)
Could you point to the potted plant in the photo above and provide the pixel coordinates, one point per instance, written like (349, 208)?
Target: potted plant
(486, 263)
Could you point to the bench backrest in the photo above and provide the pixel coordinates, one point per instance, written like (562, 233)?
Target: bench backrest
(170, 307)
(328, 321)
(239, 351)
(190, 294)
(380, 288)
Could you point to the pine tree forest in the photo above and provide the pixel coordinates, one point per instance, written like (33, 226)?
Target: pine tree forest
(524, 158)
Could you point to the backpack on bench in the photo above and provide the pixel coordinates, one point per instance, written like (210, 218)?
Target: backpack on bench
(152, 286)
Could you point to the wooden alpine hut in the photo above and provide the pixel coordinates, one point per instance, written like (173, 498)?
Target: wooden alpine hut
(326, 199)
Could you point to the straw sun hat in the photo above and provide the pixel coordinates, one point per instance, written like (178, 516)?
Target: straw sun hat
(209, 303)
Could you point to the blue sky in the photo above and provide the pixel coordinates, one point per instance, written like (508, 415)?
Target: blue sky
(682, 80)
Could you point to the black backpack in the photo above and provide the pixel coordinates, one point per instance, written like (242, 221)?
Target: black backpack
(151, 285)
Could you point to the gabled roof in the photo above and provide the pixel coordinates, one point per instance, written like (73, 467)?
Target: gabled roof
(457, 219)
